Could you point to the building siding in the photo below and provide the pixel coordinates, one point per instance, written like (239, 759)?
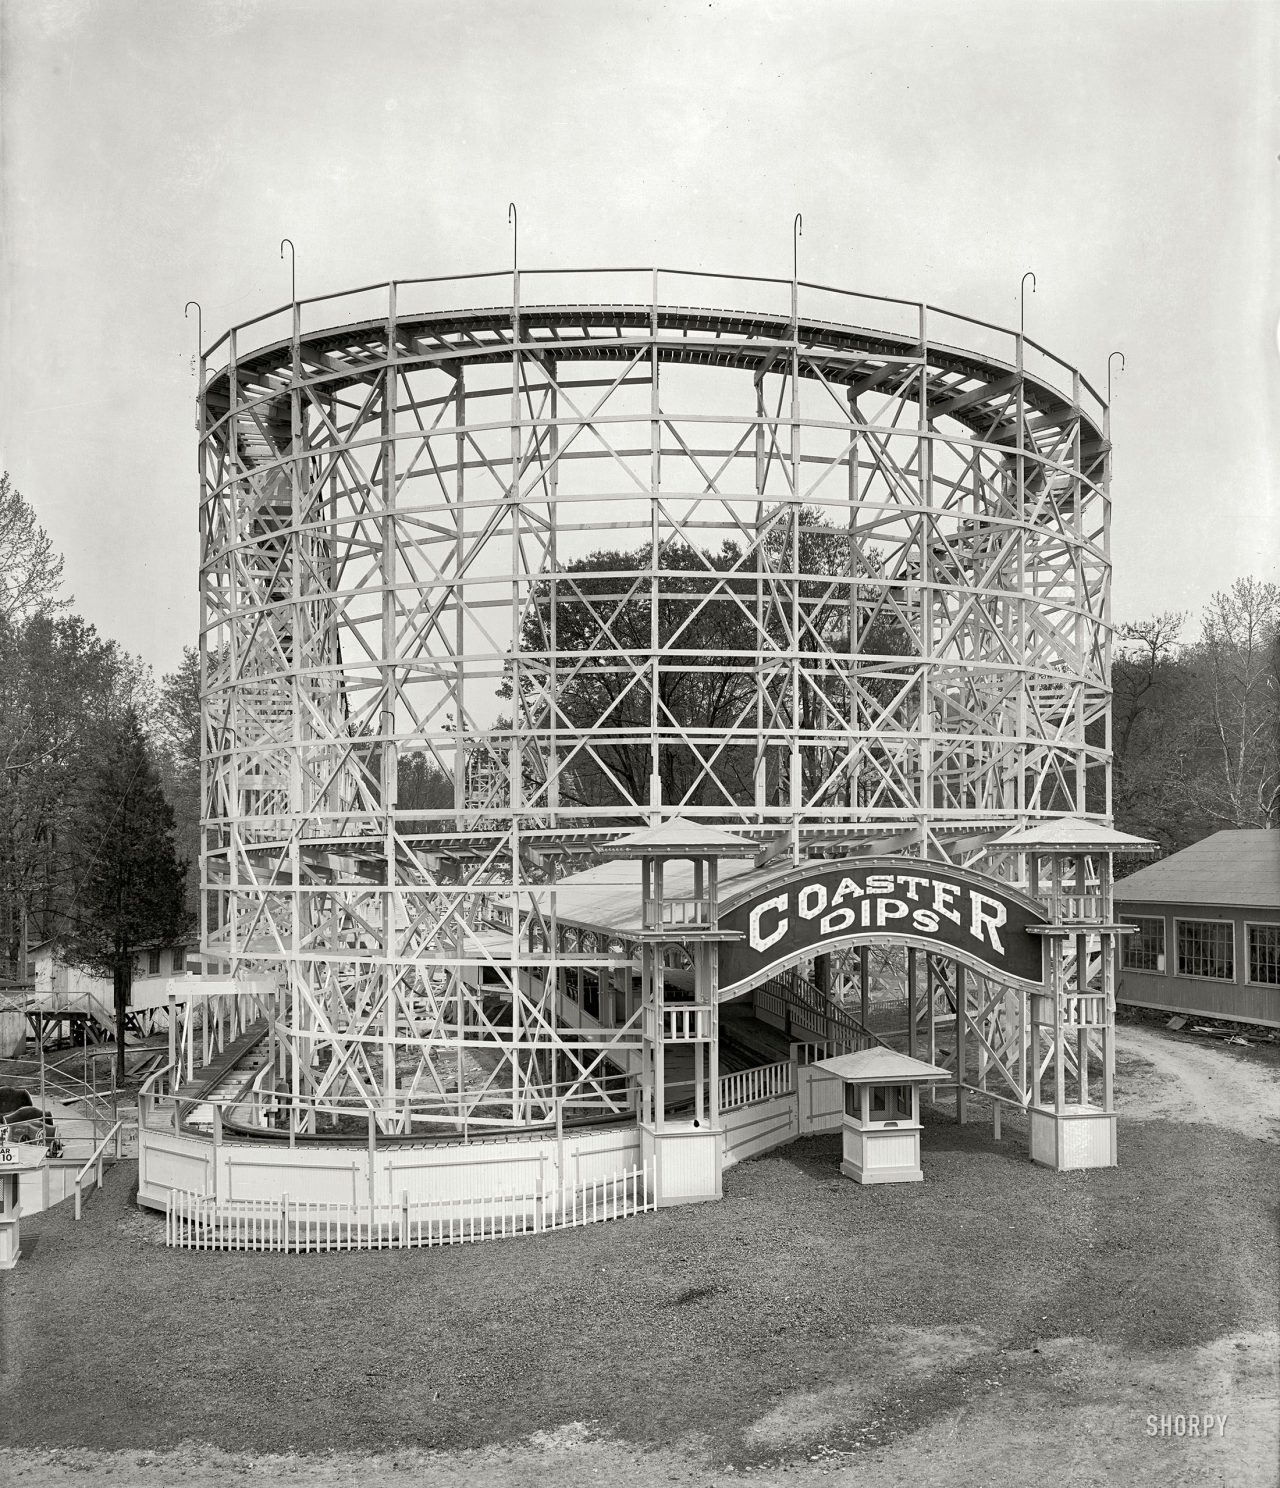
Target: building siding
(1207, 997)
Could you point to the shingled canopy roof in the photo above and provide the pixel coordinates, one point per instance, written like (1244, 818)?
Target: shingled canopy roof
(1236, 867)
(1073, 834)
(676, 836)
(883, 1066)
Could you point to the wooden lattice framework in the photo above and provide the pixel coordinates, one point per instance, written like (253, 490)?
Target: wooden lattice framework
(880, 530)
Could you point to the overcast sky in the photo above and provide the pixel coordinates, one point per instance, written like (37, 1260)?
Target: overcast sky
(155, 151)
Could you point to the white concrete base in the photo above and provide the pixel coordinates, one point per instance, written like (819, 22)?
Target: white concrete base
(1077, 1137)
(686, 1162)
(881, 1154)
(883, 1175)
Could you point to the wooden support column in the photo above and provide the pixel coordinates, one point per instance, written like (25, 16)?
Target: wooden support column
(961, 1030)
(864, 978)
(913, 992)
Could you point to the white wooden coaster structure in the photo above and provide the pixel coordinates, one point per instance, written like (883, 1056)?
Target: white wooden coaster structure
(796, 597)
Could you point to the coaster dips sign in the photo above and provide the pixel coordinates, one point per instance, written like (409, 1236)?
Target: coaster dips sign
(908, 899)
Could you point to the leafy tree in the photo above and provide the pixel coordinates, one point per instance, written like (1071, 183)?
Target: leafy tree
(130, 883)
(423, 785)
(1238, 782)
(30, 567)
(717, 618)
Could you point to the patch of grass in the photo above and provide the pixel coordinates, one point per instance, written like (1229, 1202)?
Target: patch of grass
(698, 1318)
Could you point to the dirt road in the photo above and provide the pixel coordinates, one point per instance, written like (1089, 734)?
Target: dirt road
(1201, 1083)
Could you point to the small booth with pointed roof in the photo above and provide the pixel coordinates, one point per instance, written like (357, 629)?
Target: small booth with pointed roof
(882, 1113)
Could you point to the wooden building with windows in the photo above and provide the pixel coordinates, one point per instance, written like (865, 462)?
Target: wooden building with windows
(1207, 923)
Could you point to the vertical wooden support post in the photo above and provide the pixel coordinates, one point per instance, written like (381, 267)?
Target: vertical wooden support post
(373, 1164)
(962, 1021)
(388, 784)
(459, 608)
(931, 1012)
(761, 778)
(659, 1039)
(793, 585)
(712, 954)
(655, 550)
(864, 979)
(913, 993)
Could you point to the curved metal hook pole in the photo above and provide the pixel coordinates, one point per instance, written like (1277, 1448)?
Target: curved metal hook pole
(797, 232)
(513, 218)
(1119, 354)
(293, 268)
(200, 330)
(1022, 297)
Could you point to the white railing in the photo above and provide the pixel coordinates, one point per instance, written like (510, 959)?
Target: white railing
(97, 1160)
(199, 1222)
(684, 1024)
(748, 1086)
(663, 913)
(811, 1053)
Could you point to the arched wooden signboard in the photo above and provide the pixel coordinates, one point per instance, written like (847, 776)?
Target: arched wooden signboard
(913, 900)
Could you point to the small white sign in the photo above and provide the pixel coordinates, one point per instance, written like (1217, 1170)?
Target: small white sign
(15, 1155)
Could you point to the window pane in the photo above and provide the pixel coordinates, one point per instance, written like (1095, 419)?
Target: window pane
(1145, 950)
(1264, 954)
(1206, 948)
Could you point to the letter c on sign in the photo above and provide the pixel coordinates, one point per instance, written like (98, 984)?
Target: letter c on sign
(760, 942)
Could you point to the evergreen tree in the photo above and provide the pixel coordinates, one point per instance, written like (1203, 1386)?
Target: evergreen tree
(177, 752)
(129, 881)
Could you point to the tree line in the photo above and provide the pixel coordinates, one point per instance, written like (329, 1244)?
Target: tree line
(99, 778)
(1196, 722)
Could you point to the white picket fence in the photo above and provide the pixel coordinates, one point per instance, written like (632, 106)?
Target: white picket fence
(200, 1222)
(747, 1086)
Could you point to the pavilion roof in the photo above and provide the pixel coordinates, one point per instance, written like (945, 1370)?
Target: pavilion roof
(680, 837)
(1073, 834)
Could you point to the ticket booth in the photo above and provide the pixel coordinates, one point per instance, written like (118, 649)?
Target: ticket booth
(16, 1158)
(882, 1113)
